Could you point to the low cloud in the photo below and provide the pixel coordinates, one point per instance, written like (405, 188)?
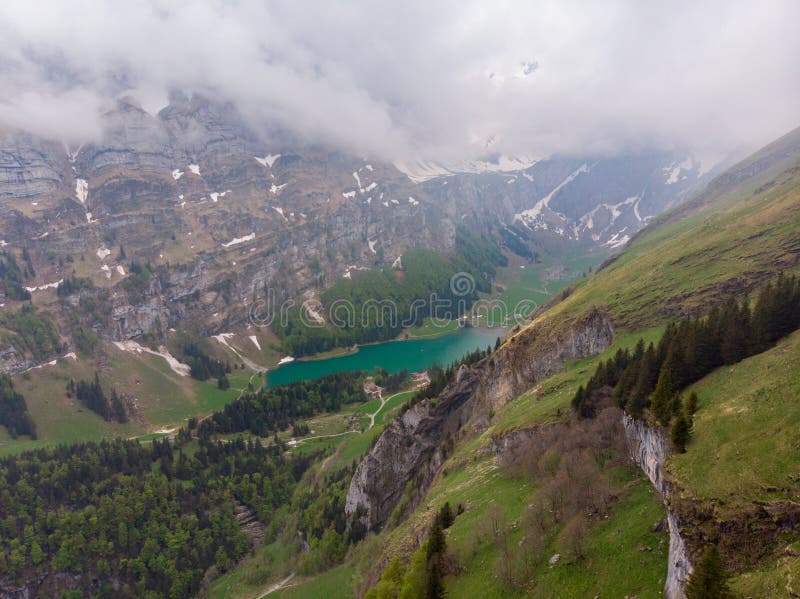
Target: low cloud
(419, 80)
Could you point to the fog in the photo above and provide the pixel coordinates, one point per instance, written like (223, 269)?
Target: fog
(419, 80)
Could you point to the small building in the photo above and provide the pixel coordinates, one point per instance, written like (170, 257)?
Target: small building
(371, 389)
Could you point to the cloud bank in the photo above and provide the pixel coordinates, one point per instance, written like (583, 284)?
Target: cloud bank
(419, 80)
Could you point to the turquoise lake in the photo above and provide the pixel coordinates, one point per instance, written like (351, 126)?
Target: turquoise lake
(415, 355)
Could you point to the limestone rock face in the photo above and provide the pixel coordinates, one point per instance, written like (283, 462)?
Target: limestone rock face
(649, 449)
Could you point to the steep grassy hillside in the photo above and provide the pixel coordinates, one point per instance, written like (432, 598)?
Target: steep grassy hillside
(727, 241)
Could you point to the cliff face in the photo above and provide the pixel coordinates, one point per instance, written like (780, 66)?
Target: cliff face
(649, 449)
(414, 446)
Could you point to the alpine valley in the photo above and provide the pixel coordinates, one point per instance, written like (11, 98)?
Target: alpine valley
(611, 409)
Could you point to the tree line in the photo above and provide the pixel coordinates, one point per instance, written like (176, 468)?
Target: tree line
(14, 413)
(270, 410)
(201, 365)
(91, 394)
(653, 376)
(11, 277)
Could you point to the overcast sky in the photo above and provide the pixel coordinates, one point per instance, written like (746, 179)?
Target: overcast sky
(420, 79)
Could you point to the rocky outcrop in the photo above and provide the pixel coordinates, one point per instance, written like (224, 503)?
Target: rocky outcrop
(649, 449)
(411, 450)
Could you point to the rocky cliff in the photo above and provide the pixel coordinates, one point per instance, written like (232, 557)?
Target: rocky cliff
(649, 449)
(410, 451)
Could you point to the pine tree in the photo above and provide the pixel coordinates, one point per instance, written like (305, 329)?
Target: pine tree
(691, 404)
(709, 579)
(436, 540)
(662, 398)
(446, 515)
(579, 402)
(680, 432)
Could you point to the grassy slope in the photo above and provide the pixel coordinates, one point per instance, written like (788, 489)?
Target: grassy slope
(744, 449)
(679, 264)
(162, 398)
(747, 412)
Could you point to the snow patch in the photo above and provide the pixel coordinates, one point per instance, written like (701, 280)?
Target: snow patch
(370, 187)
(412, 201)
(215, 195)
(616, 241)
(45, 286)
(176, 365)
(177, 174)
(285, 360)
(268, 160)
(369, 167)
(254, 339)
(528, 177)
(120, 270)
(372, 243)
(82, 190)
(72, 156)
(103, 253)
(349, 194)
(276, 189)
(532, 213)
(195, 168)
(674, 171)
(237, 240)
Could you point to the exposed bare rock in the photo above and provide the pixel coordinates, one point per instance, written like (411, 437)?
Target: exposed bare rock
(649, 449)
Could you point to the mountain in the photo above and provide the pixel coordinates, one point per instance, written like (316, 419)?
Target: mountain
(500, 440)
(209, 204)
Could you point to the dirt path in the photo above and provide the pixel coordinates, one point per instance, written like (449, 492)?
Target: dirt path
(277, 586)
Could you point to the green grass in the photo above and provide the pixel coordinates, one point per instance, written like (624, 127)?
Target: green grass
(615, 565)
(333, 584)
(522, 282)
(254, 574)
(778, 577)
(746, 431)
(392, 406)
(163, 399)
(429, 330)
